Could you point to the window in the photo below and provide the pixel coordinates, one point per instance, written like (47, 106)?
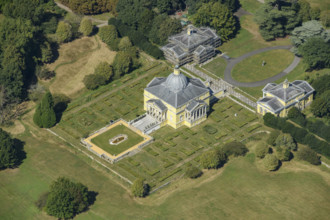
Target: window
(181, 118)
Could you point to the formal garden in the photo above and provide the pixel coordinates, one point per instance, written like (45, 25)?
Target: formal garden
(173, 150)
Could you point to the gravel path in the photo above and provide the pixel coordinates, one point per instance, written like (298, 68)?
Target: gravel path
(232, 62)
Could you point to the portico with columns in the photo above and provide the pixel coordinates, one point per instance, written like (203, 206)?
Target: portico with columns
(177, 100)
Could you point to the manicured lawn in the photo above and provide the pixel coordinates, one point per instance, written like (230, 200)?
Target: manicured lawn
(251, 69)
(217, 66)
(102, 140)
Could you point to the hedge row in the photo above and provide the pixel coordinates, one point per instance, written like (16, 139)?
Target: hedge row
(137, 38)
(301, 135)
(317, 127)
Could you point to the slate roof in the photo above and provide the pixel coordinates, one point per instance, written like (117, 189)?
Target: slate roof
(272, 103)
(158, 103)
(193, 104)
(294, 89)
(181, 43)
(202, 49)
(162, 90)
(175, 49)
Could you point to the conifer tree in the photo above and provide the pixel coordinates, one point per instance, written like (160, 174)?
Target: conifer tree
(45, 116)
(8, 152)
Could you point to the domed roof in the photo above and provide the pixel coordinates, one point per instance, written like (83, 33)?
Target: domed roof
(176, 82)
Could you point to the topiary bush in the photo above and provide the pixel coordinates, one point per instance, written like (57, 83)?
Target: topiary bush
(270, 162)
(210, 129)
(262, 150)
(308, 155)
(193, 172)
(235, 148)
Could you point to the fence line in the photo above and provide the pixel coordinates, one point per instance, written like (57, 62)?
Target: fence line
(91, 157)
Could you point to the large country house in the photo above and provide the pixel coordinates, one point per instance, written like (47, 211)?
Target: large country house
(194, 44)
(177, 100)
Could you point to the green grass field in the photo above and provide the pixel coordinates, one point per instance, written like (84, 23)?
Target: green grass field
(251, 69)
(102, 141)
(217, 66)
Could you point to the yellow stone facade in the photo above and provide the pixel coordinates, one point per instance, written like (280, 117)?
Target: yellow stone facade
(192, 111)
(279, 99)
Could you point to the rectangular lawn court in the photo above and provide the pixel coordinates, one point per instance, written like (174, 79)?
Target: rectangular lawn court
(102, 140)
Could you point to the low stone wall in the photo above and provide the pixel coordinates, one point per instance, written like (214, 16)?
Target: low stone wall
(111, 158)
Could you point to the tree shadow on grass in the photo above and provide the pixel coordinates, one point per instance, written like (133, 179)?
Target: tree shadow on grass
(21, 154)
(91, 197)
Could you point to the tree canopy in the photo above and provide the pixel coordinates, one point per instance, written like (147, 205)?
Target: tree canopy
(316, 53)
(44, 116)
(321, 105)
(270, 162)
(276, 19)
(67, 198)
(139, 188)
(109, 35)
(86, 27)
(63, 32)
(217, 16)
(213, 159)
(9, 155)
(308, 30)
(91, 6)
(286, 141)
(163, 27)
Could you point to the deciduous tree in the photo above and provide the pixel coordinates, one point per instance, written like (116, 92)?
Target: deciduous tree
(316, 53)
(217, 16)
(139, 188)
(270, 162)
(86, 26)
(63, 32)
(66, 198)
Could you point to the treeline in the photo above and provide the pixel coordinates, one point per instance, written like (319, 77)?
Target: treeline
(89, 7)
(317, 127)
(137, 38)
(301, 135)
(23, 46)
(277, 18)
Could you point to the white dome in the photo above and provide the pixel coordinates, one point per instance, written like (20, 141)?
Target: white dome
(176, 83)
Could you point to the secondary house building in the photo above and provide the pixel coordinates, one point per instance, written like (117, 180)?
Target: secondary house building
(177, 100)
(194, 44)
(278, 99)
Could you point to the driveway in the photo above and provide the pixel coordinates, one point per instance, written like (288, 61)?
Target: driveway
(232, 62)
